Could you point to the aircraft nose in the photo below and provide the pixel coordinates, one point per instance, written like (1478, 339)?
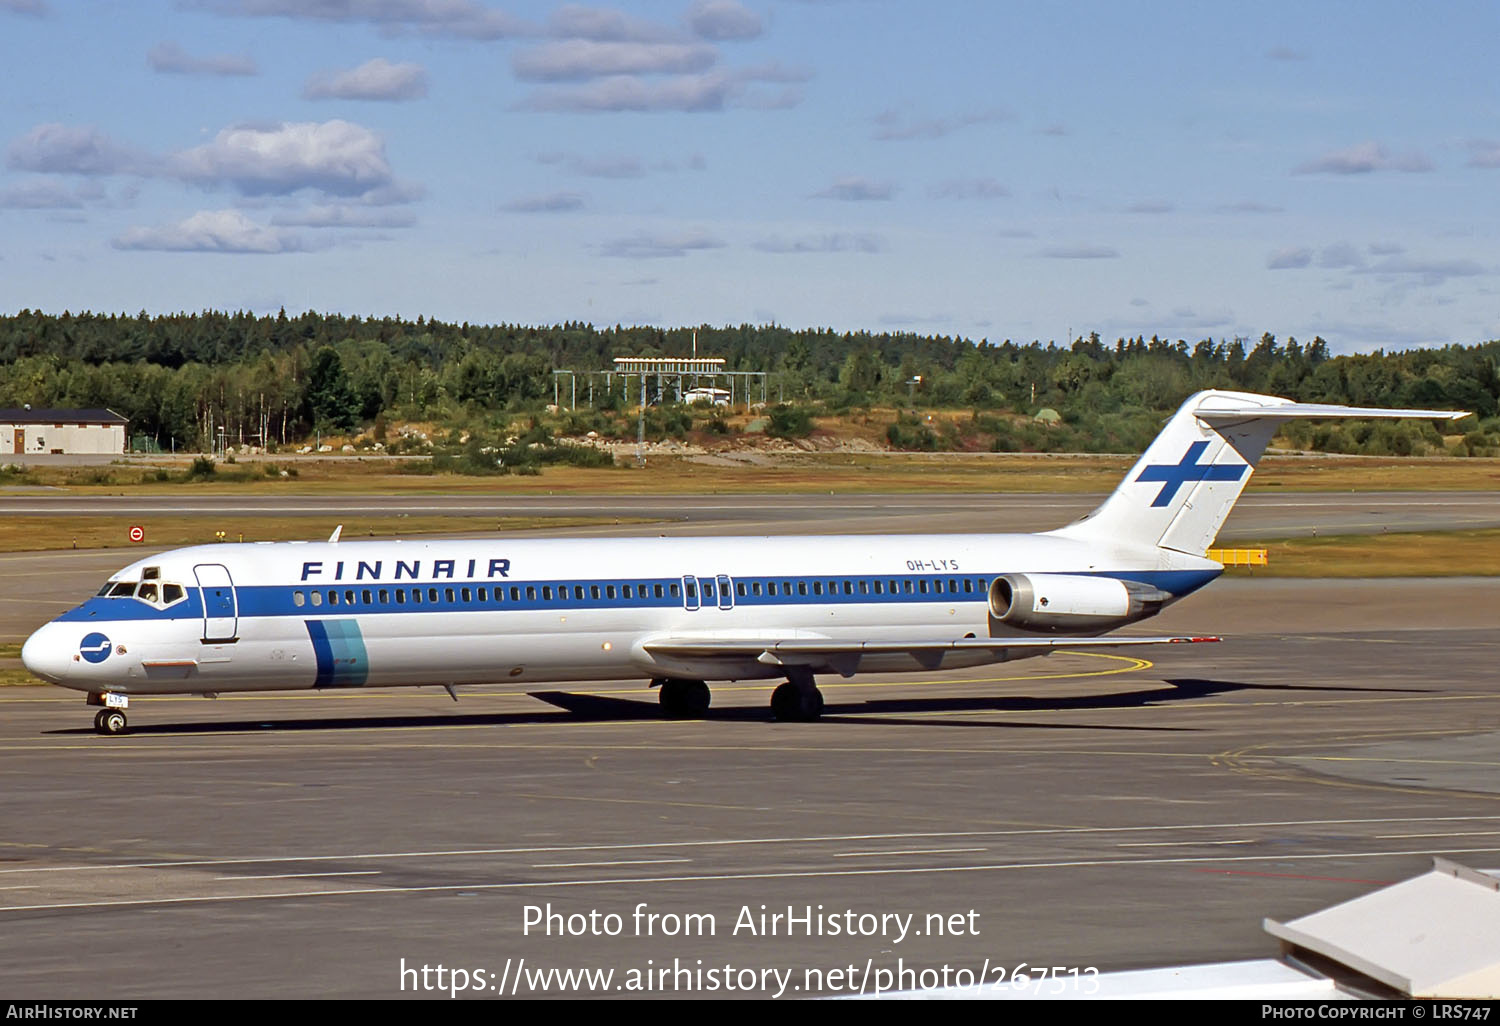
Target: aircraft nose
(45, 654)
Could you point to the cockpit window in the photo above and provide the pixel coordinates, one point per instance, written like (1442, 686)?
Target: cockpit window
(151, 590)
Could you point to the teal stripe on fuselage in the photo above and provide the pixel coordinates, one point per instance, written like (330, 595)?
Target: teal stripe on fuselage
(339, 650)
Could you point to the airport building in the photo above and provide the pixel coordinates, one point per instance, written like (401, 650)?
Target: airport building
(30, 431)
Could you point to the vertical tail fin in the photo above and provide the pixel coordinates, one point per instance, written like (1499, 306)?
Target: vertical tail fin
(1180, 492)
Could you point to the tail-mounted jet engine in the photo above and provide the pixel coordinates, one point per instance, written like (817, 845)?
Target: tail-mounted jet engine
(1070, 603)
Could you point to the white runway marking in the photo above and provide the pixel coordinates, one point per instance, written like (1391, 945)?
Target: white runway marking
(621, 862)
(911, 851)
(717, 877)
(299, 876)
(737, 842)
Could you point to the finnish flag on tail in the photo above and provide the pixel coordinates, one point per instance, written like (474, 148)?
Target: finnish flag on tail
(1180, 492)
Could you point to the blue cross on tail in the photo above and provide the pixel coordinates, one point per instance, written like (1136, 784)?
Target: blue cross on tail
(1174, 475)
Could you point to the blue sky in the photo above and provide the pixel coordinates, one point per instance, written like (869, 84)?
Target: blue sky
(1023, 171)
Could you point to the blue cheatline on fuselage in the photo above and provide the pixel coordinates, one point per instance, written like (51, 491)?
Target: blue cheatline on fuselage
(340, 652)
(657, 592)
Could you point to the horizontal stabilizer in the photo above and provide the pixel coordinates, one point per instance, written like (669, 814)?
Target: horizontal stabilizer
(1292, 411)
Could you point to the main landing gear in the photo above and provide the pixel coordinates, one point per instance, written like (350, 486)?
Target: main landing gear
(683, 699)
(798, 700)
(110, 720)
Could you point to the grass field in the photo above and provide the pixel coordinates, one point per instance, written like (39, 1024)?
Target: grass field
(1403, 554)
(40, 534)
(781, 472)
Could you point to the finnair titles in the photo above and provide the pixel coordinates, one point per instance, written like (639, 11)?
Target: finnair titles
(677, 612)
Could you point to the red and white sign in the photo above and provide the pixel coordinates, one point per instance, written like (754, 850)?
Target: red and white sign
(137, 533)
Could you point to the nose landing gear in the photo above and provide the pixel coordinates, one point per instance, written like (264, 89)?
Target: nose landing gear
(110, 720)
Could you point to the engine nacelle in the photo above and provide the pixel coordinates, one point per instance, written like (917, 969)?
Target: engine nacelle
(1070, 603)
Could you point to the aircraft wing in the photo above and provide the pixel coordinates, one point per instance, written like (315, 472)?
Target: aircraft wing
(844, 656)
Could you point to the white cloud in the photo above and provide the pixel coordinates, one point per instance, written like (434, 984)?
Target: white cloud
(855, 189)
(335, 157)
(1081, 252)
(377, 79)
(1425, 272)
(550, 203)
(1363, 159)
(723, 20)
(577, 59)
(648, 245)
(688, 93)
(595, 167)
(48, 194)
(969, 188)
(1484, 153)
(834, 242)
(169, 58)
(573, 21)
(893, 125)
(1289, 258)
(211, 231)
(1340, 254)
(463, 18)
(345, 216)
(72, 149)
(1249, 207)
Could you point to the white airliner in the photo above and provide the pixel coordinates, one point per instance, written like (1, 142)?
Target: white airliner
(679, 611)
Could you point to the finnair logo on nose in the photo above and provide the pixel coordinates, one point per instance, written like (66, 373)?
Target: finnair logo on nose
(1174, 475)
(94, 648)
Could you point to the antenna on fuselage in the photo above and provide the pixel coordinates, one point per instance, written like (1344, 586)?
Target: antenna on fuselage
(336, 532)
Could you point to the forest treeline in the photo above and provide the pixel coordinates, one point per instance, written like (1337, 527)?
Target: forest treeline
(180, 378)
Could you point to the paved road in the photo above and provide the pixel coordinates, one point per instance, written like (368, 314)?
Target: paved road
(1257, 515)
(1075, 811)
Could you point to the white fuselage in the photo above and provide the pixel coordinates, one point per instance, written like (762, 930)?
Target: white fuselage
(292, 615)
